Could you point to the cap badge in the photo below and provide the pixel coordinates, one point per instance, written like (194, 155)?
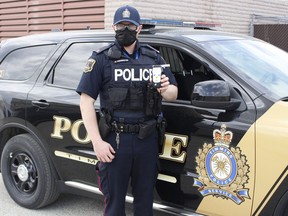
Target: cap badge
(126, 13)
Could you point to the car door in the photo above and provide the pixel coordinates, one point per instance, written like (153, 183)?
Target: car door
(207, 158)
(53, 107)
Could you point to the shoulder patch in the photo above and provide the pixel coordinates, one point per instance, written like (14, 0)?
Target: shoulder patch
(89, 65)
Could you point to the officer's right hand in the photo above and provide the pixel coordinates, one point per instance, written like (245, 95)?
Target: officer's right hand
(104, 151)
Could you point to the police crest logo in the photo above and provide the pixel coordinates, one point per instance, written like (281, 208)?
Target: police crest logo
(126, 13)
(89, 65)
(222, 169)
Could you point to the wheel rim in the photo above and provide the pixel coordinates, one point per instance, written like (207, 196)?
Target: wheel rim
(23, 172)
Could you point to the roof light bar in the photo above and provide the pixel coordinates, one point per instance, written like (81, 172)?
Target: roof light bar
(177, 23)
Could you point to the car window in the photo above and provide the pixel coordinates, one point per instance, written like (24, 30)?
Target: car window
(261, 64)
(172, 57)
(72, 64)
(21, 64)
(187, 70)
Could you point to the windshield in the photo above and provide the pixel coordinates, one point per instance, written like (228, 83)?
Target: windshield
(261, 64)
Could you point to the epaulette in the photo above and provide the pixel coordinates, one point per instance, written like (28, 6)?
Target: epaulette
(102, 49)
(92, 60)
(149, 51)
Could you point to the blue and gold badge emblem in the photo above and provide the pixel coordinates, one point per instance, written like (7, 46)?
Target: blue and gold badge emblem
(222, 169)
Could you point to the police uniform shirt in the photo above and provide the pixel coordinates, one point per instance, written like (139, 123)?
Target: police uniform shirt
(97, 71)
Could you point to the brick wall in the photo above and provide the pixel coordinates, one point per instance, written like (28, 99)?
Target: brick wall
(234, 16)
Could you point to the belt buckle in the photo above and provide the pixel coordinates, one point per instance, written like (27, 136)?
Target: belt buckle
(121, 127)
(128, 128)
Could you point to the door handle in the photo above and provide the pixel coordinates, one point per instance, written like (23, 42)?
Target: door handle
(41, 104)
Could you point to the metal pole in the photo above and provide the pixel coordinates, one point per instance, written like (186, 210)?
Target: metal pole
(252, 19)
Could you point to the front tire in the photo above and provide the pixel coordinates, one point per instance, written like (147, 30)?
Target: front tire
(27, 174)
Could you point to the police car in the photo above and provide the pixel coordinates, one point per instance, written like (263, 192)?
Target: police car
(224, 150)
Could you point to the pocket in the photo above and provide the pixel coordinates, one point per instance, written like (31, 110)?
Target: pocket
(136, 98)
(117, 97)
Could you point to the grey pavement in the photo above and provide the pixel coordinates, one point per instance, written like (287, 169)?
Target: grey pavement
(66, 205)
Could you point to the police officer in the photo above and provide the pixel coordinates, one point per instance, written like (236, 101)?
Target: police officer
(128, 148)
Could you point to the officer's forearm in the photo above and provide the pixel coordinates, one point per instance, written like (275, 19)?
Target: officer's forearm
(170, 93)
(89, 118)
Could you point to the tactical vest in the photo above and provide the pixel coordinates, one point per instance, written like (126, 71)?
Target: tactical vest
(128, 89)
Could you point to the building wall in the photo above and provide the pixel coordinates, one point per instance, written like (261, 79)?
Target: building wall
(234, 16)
(22, 17)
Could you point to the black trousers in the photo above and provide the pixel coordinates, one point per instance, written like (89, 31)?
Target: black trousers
(136, 160)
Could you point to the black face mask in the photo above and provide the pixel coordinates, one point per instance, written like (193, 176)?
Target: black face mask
(125, 37)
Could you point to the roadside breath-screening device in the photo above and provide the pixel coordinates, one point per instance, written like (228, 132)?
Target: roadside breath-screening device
(156, 74)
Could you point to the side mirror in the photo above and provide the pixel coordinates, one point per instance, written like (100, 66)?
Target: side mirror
(214, 94)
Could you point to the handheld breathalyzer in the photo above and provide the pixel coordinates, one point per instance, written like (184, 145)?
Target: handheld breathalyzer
(156, 74)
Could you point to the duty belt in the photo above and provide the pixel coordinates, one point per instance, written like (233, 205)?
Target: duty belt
(127, 128)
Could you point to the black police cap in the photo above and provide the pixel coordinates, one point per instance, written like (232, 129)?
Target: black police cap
(127, 14)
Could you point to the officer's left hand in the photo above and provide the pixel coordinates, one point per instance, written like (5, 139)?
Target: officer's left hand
(164, 84)
(168, 92)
